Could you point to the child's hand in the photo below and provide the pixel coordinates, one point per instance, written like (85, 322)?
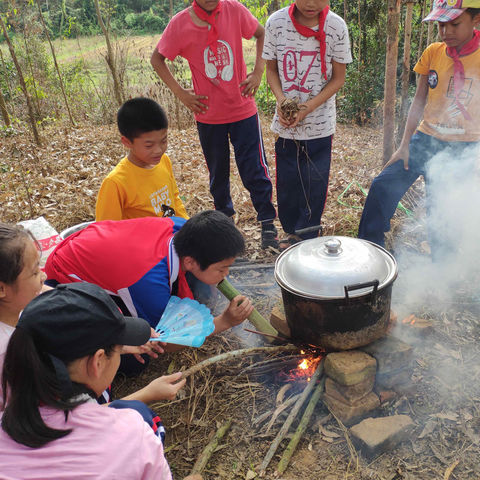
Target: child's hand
(250, 85)
(301, 114)
(150, 348)
(165, 387)
(238, 310)
(284, 122)
(401, 154)
(192, 101)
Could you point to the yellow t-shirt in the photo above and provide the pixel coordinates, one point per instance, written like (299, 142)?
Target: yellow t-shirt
(441, 117)
(129, 191)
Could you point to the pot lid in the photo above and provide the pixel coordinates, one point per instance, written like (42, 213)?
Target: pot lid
(322, 267)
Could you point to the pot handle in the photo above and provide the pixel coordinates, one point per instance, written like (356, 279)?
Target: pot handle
(357, 286)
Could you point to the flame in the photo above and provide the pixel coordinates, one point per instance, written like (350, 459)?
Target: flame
(304, 370)
(410, 319)
(303, 365)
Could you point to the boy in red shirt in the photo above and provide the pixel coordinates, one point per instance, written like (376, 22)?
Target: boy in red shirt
(209, 36)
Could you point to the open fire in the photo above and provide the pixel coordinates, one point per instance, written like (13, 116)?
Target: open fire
(303, 370)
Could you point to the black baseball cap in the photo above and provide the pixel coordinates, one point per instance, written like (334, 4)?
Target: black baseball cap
(76, 319)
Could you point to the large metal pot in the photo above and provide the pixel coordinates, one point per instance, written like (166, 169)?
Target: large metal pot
(336, 291)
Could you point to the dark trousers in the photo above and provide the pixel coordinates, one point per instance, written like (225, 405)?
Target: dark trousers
(390, 185)
(246, 138)
(303, 168)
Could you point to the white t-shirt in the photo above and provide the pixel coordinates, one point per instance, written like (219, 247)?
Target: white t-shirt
(300, 70)
(5, 334)
(105, 444)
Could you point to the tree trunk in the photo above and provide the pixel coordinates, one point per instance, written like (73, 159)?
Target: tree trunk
(35, 99)
(110, 58)
(423, 7)
(4, 111)
(170, 12)
(21, 80)
(360, 33)
(345, 11)
(406, 69)
(430, 27)
(7, 81)
(390, 79)
(56, 64)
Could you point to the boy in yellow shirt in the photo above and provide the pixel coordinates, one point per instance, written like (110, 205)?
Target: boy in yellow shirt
(142, 184)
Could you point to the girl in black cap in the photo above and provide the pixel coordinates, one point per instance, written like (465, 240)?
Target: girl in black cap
(64, 352)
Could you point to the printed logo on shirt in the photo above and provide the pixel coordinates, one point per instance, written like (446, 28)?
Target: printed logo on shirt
(291, 71)
(219, 66)
(432, 79)
(160, 197)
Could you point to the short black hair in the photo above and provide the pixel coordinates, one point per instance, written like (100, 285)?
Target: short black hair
(209, 237)
(140, 115)
(473, 12)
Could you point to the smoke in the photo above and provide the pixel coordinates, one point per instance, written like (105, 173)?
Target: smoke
(453, 226)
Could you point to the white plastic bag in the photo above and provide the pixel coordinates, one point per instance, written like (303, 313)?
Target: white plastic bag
(45, 234)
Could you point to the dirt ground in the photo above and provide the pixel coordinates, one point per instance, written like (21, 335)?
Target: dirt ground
(60, 179)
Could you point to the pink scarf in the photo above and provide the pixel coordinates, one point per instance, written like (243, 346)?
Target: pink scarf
(210, 18)
(308, 32)
(458, 70)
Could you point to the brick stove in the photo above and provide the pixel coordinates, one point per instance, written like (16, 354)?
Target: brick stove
(358, 381)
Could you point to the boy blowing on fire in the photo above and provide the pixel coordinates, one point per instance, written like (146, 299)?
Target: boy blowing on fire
(304, 75)
(209, 36)
(447, 105)
(142, 184)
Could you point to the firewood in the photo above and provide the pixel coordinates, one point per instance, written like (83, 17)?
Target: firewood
(255, 318)
(237, 353)
(291, 416)
(302, 426)
(207, 452)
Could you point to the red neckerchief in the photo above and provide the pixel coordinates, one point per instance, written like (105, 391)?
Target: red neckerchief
(458, 70)
(308, 32)
(210, 18)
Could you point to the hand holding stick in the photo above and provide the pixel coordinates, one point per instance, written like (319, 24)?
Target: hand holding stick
(255, 318)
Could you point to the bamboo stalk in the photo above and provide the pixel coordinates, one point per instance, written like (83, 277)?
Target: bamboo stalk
(237, 353)
(302, 426)
(255, 317)
(207, 452)
(291, 416)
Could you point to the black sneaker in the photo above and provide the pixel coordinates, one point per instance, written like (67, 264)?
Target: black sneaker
(269, 236)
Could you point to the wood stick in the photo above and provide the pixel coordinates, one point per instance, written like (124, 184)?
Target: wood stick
(237, 353)
(302, 426)
(291, 416)
(207, 452)
(255, 318)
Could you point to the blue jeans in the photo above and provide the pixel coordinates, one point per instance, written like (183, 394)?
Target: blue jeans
(246, 138)
(303, 168)
(390, 185)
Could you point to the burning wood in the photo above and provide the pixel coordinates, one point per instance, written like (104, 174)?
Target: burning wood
(236, 353)
(293, 413)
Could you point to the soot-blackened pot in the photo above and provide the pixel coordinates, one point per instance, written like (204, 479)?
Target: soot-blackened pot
(336, 291)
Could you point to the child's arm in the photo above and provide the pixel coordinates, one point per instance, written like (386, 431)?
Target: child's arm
(187, 97)
(331, 88)
(250, 85)
(162, 388)
(238, 310)
(414, 116)
(109, 205)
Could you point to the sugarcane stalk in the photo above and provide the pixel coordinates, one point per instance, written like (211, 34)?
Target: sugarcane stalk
(291, 417)
(237, 353)
(207, 452)
(302, 426)
(260, 323)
